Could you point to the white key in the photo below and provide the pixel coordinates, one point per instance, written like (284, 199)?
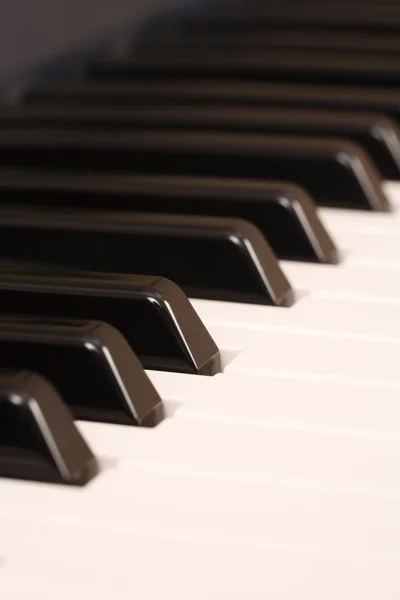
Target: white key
(17, 590)
(357, 246)
(245, 512)
(248, 453)
(373, 281)
(317, 313)
(318, 358)
(392, 190)
(93, 564)
(282, 403)
(337, 220)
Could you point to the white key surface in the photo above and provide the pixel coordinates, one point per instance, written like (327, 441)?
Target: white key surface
(275, 479)
(191, 567)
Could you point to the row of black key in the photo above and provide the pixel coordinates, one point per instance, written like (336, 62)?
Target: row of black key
(167, 161)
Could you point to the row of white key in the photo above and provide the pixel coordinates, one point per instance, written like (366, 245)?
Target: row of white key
(282, 484)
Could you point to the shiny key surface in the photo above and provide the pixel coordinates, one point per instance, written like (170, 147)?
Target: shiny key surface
(152, 313)
(90, 363)
(276, 36)
(379, 136)
(175, 91)
(218, 258)
(354, 180)
(276, 478)
(304, 66)
(38, 438)
(273, 207)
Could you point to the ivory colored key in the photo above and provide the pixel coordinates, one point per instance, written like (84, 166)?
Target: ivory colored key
(373, 281)
(307, 357)
(307, 517)
(232, 566)
(345, 460)
(316, 313)
(348, 409)
(280, 403)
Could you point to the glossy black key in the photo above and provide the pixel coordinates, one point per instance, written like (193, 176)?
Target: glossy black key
(284, 213)
(378, 135)
(273, 36)
(219, 93)
(336, 173)
(210, 258)
(90, 364)
(301, 66)
(254, 17)
(38, 438)
(152, 313)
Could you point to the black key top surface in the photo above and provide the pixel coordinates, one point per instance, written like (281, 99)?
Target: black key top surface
(273, 36)
(38, 438)
(367, 69)
(157, 92)
(284, 213)
(378, 135)
(335, 172)
(152, 313)
(90, 364)
(255, 16)
(210, 258)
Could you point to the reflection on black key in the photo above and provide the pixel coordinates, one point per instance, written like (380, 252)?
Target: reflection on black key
(284, 213)
(273, 36)
(211, 258)
(378, 135)
(90, 363)
(38, 438)
(152, 313)
(254, 16)
(219, 93)
(303, 66)
(335, 172)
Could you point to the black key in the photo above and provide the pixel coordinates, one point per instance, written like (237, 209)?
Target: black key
(210, 258)
(301, 66)
(152, 313)
(38, 438)
(220, 93)
(284, 213)
(254, 17)
(273, 36)
(89, 362)
(336, 173)
(378, 135)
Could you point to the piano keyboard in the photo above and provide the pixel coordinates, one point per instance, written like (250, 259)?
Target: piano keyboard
(200, 313)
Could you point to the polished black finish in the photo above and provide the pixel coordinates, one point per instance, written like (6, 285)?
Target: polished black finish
(211, 258)
(275, 36)
(378, 135)
(90, 363)
(255, 16)
(152, 313)
(302, 66)
(219, 93)
(284, 213)
(335, 172)
(38, 438)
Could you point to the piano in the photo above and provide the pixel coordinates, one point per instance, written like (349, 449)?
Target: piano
(199, 300)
